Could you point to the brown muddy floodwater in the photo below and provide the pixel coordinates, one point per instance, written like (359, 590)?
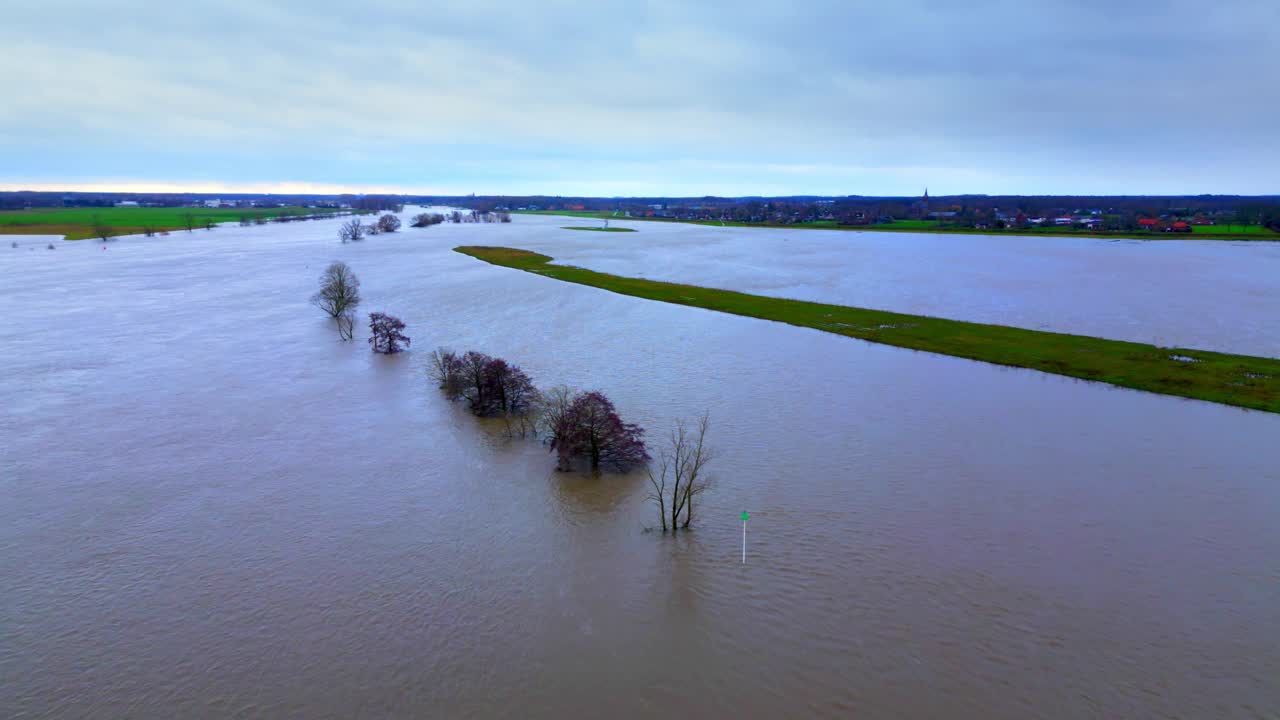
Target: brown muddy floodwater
(211, 508)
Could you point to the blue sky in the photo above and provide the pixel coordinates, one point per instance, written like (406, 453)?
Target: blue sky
(643, 98)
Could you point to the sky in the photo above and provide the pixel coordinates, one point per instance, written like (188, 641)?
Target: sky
(638, 98)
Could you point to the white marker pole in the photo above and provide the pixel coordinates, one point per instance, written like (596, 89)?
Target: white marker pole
(744, 536)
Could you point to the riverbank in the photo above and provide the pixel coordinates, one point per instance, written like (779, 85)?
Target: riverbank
(1240, 380)
(1246, 234)
(599, 229)
(82, 223)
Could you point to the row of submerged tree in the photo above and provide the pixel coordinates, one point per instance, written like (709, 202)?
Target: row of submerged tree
(581, 426)
(578, 426)
(355, 229)
(339, 296)
(457, 216)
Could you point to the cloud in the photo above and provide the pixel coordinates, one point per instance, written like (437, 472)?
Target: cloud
(522, 97)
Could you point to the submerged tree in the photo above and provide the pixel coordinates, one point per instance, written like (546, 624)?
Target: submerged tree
(491, 386)
(589, 427)
(189, 220)
(101, 229)
(338, 297)
(351, 231)
(388, 223)
(678, 476)
(427, 219)
(385, 333)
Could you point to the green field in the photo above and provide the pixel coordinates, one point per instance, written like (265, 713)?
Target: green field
(1232, 230)
(599, 229)
(911, 225)
(79, 223)
(1241, 380)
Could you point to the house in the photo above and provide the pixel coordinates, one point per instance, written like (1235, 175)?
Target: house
(127, 203)
(1148, 223)
(1065, 220)
(942, 215)
(1180, 226)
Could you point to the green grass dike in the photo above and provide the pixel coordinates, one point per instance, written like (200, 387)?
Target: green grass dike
(599, 229)
(1241, 380)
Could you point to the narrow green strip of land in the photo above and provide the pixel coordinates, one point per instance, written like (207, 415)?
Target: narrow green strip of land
(599, 229)
(1241, 380)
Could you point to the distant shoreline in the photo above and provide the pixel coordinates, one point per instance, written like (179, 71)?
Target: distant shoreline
(1254, 236)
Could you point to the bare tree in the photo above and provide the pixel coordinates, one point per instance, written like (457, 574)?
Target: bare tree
(338, 297)
(189, 219)
(553, 409)
(101, 229)
(351, 231)
(679, 476)
(346, 323)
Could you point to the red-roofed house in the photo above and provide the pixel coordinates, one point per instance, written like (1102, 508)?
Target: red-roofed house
(1148, 223)
(1181, 227)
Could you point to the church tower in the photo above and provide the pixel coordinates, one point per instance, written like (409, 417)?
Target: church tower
(921, 206)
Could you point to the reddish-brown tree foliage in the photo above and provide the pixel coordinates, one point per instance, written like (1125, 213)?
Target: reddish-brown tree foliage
(491, 386)
(385, 333)
(589, 427)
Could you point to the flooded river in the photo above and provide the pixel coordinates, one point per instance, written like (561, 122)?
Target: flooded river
(1211, 295)
(209, 507)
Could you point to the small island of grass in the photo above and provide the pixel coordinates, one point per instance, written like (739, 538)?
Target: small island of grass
(1241, 380)
(599, 229)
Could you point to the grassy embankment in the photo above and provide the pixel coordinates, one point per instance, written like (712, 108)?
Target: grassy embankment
(1241, 380)
(1200, 232)
(79, 223)
(600, 229)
